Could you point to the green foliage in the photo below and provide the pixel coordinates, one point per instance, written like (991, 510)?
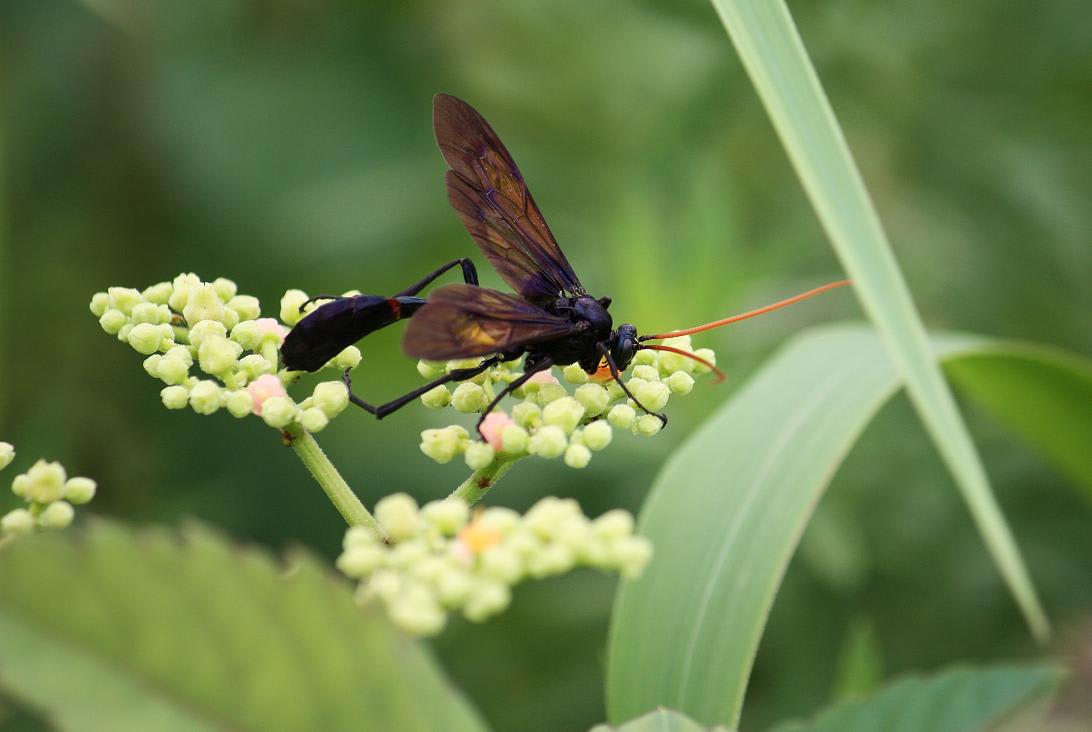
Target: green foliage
(774, 55)
(661, 720)
(115, 630)
(1043, 394)
(961, 700)
(725, 522)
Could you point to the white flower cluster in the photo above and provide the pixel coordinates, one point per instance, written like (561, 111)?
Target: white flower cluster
(551, 421)
(48, 492)
(187, 322)
(441, 559)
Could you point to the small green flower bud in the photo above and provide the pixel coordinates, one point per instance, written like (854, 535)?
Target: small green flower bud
(57, 515)
(205, 397)
(163, 314)
(79, 490)
(158, 293)
(613, 525)
(278, 411)
(453, 586)
(112, 321)
(468, 397)
(649, 424)
(597, 435)
(124, 298)
(645, 358)
(503, 564)
(358, 536)
(359, 561)
(200, 330)
(20, 484)
(577, 456)
(407, 554)
(245, 306)
(648, 373)
(230, 318)
(203, 304)
(440, 444)
(431, 369)
(397, 514)
(349, 358)
(314, 419)
(145, 338)
(514, 439)
(553, 559)
(384, 584)
(7, 454)
(247, 334)
(151, 365)
(448, 517)
(565, 413)
(218, 355)
(146, 312)
(175, 397)
(614, 391)
(622, 416)
(630, 554)
(548, 393)
(709, 355)
(574, 374)
(331, 397)
(100, 301)
(502, 520)
(417, 612)
(548, 442)
(486, 598)
(290, 306)
(182, 353)
(255, 365)
(527, 414)
(652, 394)
(45, 482)
(479, 455)
(19, 521)
(680, 382)
(524, 543)
(171, 369)
(181, 288)
(461, 363)
(436, 398)
(594, 398)
(225, 288)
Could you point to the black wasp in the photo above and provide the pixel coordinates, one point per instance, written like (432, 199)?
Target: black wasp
(553, 320)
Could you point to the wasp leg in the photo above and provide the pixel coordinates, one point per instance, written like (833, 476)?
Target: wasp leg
(394, 405)
(542, 365)
(470, 276)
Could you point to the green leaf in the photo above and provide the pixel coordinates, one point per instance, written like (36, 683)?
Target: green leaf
(661, 720)
(725, 520)
(961, 700)
(774, 56)
(1043, 394)
(116, 630)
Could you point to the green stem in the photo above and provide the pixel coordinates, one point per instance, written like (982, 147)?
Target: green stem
(480, 481)
(326, 475)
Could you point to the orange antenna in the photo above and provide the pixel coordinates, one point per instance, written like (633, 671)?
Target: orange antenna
(749, 314)
(719, 375)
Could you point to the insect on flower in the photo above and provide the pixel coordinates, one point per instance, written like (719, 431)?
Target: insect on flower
(552, 320)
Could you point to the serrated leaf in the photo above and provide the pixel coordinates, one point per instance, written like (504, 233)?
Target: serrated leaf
(961, 700)
(660, 720)
(775, 58)
(725, 519)
(118, 630)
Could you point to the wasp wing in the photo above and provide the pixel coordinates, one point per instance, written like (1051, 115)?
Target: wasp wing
(487, 190)
(461, 321)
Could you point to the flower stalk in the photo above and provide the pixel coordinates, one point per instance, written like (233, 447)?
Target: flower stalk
(474, 488)
(329, 479)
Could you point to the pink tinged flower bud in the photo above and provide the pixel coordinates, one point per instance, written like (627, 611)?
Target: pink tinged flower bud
(263, 388)
(270, 329)
(542, 378)
(493, 428)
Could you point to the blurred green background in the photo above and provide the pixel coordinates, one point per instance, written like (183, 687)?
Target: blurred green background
(288, 143)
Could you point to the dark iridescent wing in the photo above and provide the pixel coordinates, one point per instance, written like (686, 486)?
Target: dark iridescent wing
(487, 190)
(461, 321)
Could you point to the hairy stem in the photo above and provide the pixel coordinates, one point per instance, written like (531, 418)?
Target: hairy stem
(480, 481)
(330, 480)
